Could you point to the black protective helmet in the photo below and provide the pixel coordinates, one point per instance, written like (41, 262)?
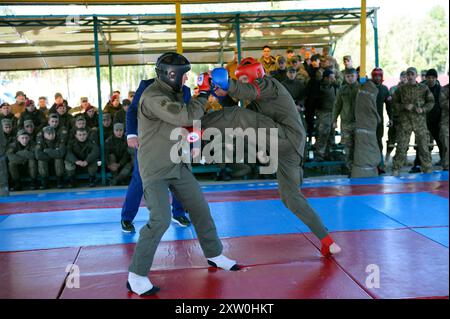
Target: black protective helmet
(171, 68)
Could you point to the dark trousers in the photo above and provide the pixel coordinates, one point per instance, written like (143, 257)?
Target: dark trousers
(134, 196)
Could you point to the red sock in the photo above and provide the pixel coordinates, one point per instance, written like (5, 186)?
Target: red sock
(326, 243)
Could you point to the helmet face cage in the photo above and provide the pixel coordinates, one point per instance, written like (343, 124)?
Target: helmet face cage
(377, 71)
(171, 68)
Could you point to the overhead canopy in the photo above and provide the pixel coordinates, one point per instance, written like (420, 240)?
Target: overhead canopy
(36, 42)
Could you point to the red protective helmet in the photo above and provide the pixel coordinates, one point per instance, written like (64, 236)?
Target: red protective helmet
(204, 82)
(377, 71)
(250, 67)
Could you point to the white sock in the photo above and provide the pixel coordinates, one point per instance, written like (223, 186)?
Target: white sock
(223, 262)
(139, 284)
(335, 249)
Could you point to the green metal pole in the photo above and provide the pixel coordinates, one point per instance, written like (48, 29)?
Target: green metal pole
(99, 96)
(110, 72)
(375, 35)
(238, 37)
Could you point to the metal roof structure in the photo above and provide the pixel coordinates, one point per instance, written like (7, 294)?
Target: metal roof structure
(47, 42)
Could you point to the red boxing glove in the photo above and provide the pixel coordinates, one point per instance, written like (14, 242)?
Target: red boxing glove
(204, 82)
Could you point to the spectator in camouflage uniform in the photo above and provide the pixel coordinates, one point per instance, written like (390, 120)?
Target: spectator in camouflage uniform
(118, 157)
(324, 114)
(21, 159)
(5, 113)
(50, 151)
(411, 102)
(81, 153)
(33, 114)
(28, 126)
(8, 131)
(393, 118)
(345, 108)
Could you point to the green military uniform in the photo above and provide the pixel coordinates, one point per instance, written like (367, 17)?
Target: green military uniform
(161, 111)
(10, 137)
(65, 120)
(269, 65)
(50, 152)
(81, 151)
(117, 152)
(419, 96)
(120, 117)
(109, 108)
(10, 117)
(367, 119)
(324, 115)
(22, 159)
(444, 125)
(345, 108)
(3, 167)
(37, 116)
(273, 107)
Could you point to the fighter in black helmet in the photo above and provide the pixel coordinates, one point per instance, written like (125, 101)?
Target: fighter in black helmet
(161, 111)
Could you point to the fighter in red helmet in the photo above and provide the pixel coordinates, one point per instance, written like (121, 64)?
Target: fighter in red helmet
(272, 107)
(383, 97)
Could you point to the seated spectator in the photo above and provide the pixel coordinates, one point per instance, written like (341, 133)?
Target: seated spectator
(28, 126)
(267, 60)
(91, 116)
(121, 115)
(80, 122)
(8, 131)
(18, 107)
(33, 114)
(58, 101)
(65, 119)
(6, 113)
(82, 153)
(50, 152)
(118, 156)
(107, 125)
(21, 159)
(113, 105)
(60, 131)
(84, 103)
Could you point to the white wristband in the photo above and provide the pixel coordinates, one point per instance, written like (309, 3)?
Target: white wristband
(131, 136)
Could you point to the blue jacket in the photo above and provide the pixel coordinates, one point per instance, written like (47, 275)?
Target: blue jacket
(131, 117)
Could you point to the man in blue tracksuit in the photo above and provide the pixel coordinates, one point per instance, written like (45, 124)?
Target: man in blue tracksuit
(135, 190)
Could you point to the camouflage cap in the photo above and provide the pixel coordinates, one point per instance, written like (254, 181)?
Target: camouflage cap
(53, 116)
(118, 126)
(6, 122)
(411, 69)
(126, 102)
(80, 118)
(22, 132)
(347, 58)
(48, 130)
(106, 116)
(351, 71)
(291, 69)
(403, 73)
(28, 123)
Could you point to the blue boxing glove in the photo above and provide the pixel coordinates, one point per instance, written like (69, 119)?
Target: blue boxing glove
(219, 78)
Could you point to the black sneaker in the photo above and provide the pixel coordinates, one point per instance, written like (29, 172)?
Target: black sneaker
(183, 221)
(127, 227)
(415, 169)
